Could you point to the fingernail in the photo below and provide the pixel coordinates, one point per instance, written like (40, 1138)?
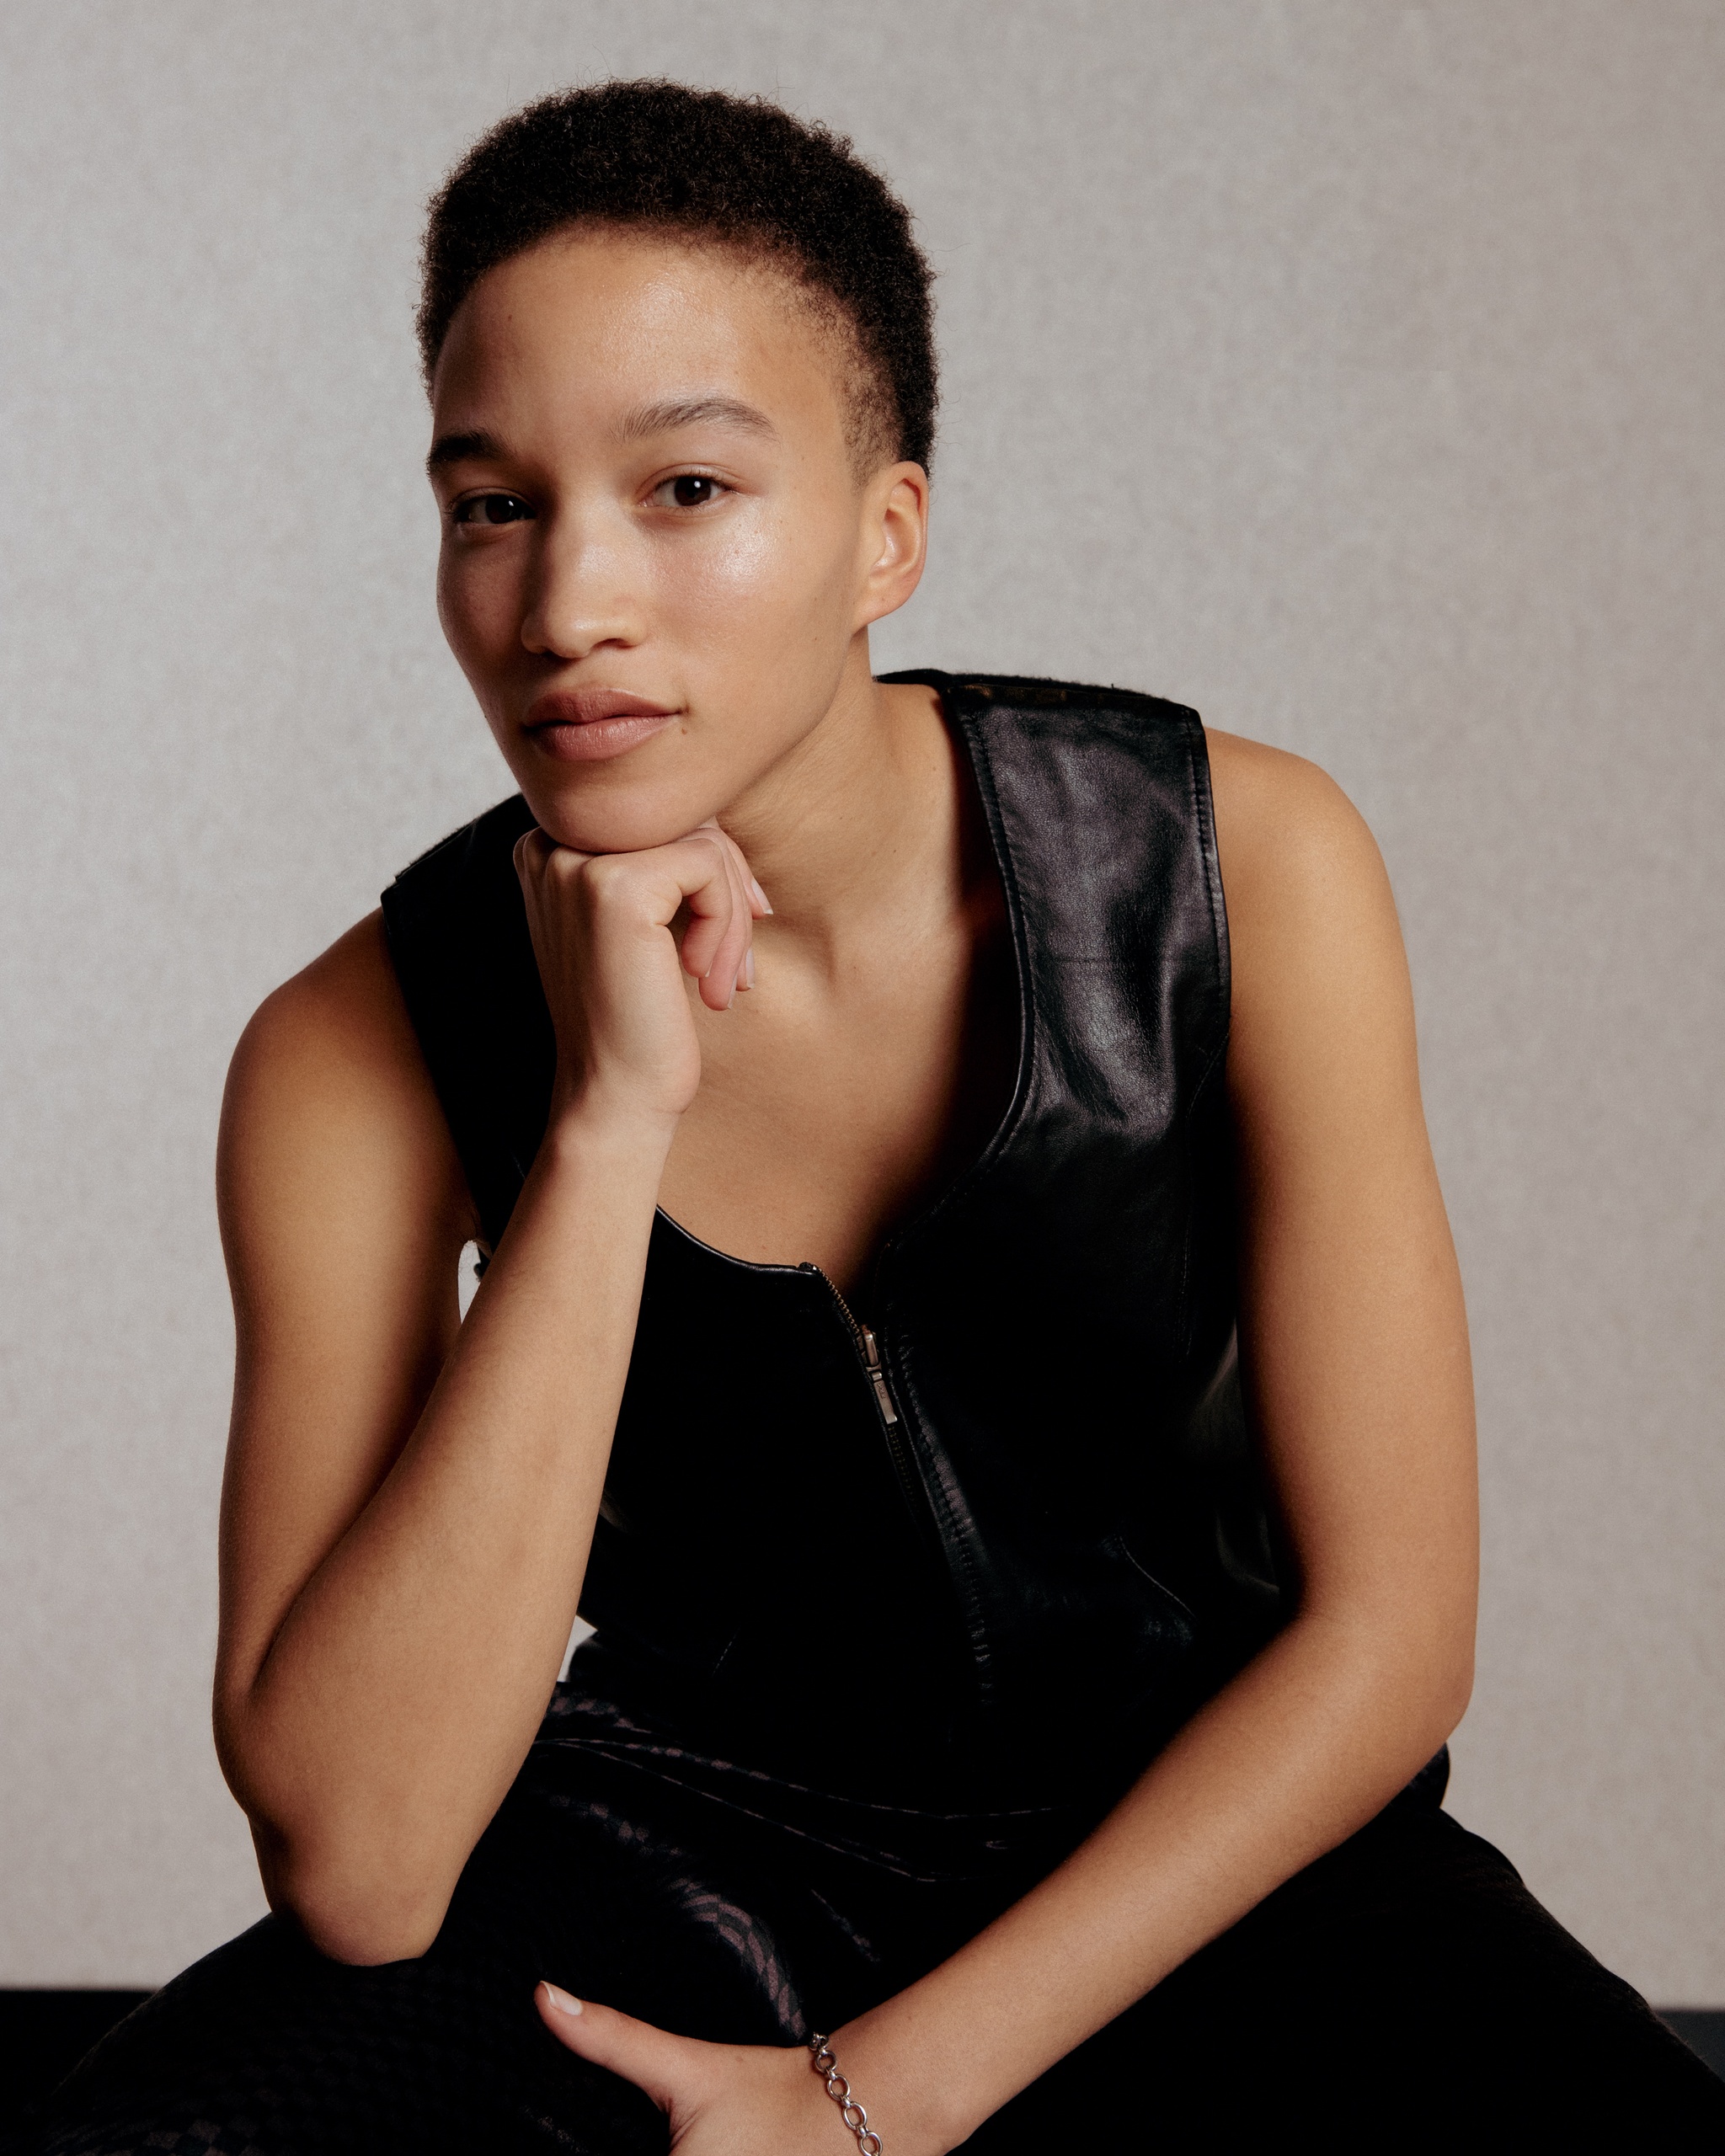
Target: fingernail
(561, 2001)
(748, 969)
(761, 895)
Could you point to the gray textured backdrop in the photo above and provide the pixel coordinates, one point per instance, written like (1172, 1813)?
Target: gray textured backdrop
(1352, 370)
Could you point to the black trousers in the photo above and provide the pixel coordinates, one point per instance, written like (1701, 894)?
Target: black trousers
(1405, 1993)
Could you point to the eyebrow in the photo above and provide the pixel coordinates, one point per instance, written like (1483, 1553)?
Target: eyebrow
(459, 449)
(693, 411)
(476, 446)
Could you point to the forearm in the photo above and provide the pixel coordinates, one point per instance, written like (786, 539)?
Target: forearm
(402, 1690)
(1307, 1743)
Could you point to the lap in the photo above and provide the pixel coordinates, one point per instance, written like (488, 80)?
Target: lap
(265, 2048)
(1404, 1991)
(268, 2048)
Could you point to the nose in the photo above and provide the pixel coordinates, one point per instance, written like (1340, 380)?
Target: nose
(582, 594)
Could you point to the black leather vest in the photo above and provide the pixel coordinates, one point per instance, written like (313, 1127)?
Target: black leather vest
(1030, 1531)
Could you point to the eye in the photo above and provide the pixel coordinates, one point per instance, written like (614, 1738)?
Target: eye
(491, 509)
(688, 490)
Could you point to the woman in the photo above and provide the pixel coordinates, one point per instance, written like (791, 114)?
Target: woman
(874, 1126)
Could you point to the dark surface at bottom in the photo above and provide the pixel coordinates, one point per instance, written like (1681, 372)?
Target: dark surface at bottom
(1702, 2028)
(44, 2033)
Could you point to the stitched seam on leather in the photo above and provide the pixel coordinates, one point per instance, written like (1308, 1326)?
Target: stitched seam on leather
(1213, 1063)
(954, 1539)
(962, 1189)
(1030, 1014)
(1122, 1549)
(724, 1653)
(1209, 865)
(1209, 860)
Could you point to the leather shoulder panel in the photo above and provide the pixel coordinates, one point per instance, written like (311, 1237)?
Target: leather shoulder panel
(457, 933)
(1099, 799)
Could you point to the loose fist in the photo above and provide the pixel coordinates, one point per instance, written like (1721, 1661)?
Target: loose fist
(609, 958)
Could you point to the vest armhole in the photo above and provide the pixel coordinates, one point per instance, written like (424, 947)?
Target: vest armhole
(457, 937)
(1210, 863)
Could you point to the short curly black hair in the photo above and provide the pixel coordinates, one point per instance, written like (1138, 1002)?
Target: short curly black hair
(700, 164)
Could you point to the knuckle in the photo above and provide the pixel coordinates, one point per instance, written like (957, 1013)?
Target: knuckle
(602, 876)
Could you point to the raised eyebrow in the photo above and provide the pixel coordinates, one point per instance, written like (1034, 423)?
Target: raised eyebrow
(461, 449)
(676, 411)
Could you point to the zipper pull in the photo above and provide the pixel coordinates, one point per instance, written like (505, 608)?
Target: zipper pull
(876, 1376)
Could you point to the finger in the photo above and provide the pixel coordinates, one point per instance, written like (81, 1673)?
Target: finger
(754, 900)
(533, 850)
(718, 929)
(538, 858)
(666, 2068)
(729, 960)
(753, 907)
(759, 904)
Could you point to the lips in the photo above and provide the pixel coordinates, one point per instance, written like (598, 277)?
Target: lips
(584, 725)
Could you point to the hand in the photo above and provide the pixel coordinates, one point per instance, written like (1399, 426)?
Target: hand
(612, 969)
(721, 2099)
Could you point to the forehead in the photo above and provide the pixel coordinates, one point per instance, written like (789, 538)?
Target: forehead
(615, 318)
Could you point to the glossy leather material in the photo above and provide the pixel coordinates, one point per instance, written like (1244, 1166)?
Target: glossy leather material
(1043, 1544)
(859, 1682)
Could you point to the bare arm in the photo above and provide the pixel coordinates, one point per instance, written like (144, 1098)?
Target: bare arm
(409, 1505)
(1355, 1347)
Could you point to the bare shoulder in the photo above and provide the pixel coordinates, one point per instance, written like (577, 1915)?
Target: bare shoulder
(327, 1093)
(1320, 980)
(1284, 827)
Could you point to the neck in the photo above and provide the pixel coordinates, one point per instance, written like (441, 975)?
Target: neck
(862, 806)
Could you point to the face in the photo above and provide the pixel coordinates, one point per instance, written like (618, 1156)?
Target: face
(659, 557)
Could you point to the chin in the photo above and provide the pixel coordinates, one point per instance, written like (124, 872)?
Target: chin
(618, 820)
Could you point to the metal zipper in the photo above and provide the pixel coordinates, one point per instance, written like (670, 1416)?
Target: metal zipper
(917, 1497)
(877, 1377)
(910, 1482)
(867, 1347)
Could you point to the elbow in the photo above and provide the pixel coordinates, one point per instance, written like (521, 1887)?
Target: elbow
(357, 1899)
(351, 1913)
(1432, 1678)
(362, 1937)
(1452, 1687)
(353, 1878)
(1409, 1670)
(1443, 1645)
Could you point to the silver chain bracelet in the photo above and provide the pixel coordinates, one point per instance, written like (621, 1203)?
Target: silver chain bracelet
(820, 2053)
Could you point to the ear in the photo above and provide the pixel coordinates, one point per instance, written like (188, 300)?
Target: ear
(894, 541)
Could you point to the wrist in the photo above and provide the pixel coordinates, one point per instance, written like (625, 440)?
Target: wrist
(910, 2108)
(587, 1122)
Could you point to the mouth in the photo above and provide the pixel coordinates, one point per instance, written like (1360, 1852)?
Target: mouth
(585, 725)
